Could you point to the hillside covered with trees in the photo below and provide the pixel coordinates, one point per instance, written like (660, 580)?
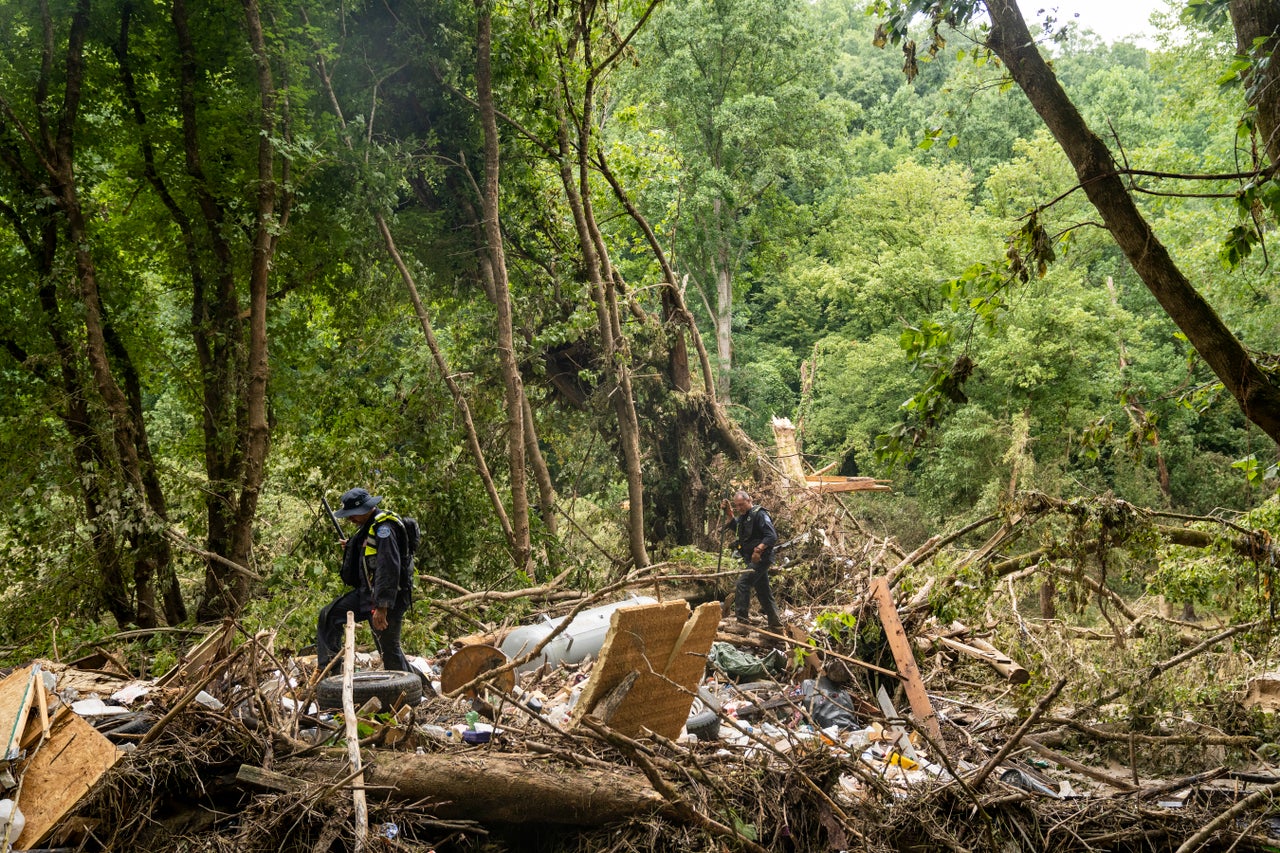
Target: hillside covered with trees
(542, 274)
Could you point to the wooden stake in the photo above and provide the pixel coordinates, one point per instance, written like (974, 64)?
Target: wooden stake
(353, 736)
(896, 635)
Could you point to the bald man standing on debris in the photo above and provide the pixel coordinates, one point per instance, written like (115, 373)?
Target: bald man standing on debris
(756, 538)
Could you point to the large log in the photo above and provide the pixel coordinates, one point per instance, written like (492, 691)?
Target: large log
(489, 787)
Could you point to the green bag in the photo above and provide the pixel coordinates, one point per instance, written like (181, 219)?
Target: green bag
(740, 665)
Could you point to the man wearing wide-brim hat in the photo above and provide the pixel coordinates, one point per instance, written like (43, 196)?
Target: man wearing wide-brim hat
(371, 562)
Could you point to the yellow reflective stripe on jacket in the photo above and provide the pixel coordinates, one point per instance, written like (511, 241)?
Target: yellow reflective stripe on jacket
(371, 542)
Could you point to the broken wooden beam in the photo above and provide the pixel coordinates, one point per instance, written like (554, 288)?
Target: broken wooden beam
(896, 635)
(828, 483)
(981, 650)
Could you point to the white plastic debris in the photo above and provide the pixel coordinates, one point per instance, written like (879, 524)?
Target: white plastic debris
(11, 821)
(131, 692)
(95, 707)
(209, 701)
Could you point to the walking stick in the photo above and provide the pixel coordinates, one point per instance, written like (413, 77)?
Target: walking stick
(724, 605)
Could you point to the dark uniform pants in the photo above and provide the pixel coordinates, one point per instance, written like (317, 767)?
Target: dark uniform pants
(331, 626)
(756, 577)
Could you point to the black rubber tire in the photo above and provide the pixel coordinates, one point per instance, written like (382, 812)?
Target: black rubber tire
(392, 688)
(705, 725)
(704, 715)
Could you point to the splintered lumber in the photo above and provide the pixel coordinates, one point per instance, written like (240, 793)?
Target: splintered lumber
(784, 440)
(17, 693)
(980, 649)
(792, 465)
(666, 649)
(896, 635)
(61, 771)
(830, 483)
(499, 788)
(213, 647)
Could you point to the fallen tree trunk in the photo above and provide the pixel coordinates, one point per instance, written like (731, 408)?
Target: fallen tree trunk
(491, 787)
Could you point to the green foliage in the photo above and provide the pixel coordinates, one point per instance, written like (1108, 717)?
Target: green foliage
(1256, 473)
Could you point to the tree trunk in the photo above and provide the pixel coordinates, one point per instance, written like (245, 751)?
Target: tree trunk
(724, 315)
(1259, 20)
(218, 335)
(494, 265)
(614, 358)
(546, 488)
(1256, 393)
(505, 789)
(257, 430)
(127, 427)
(91, 458)
(428, 332)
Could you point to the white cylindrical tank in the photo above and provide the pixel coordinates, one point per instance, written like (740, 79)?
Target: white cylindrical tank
(11, 822)
(584, 636)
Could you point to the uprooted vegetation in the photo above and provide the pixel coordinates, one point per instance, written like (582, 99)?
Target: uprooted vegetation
(1110, 724)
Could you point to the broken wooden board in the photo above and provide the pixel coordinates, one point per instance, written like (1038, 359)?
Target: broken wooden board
(59, 773)
(215, 646)
(896, 635)
(17, 693)
(667, 649)
(829, 483)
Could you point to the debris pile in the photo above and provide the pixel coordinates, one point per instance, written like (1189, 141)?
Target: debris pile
(637, 724)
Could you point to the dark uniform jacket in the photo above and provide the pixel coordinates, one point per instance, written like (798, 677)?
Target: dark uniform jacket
(754, 527)
(371, 562)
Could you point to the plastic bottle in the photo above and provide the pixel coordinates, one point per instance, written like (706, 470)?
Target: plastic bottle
(11, 819)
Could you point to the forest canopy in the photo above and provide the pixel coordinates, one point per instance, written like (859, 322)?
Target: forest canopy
(543, 273)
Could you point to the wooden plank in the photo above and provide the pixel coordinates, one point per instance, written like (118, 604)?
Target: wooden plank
(214, 646)
(360, 803)
(267, 780)
(921, 707)
(829, 485)
(42, 702)
(56, 777)
(17, 692)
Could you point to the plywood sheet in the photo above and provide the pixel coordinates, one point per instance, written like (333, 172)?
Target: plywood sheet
(60, 772)
(640, 639)
(17, 692)
(667, 650)
(689, 658)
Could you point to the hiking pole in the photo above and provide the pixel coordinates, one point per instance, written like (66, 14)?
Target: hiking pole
(724, 606)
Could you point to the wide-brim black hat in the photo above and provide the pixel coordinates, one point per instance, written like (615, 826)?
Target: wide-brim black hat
(357, 501)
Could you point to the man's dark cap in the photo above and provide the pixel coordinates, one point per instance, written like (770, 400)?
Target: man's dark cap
(357, 501)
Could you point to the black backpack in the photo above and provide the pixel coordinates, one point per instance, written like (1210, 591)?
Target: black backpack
(408, 550)
(410, 535)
